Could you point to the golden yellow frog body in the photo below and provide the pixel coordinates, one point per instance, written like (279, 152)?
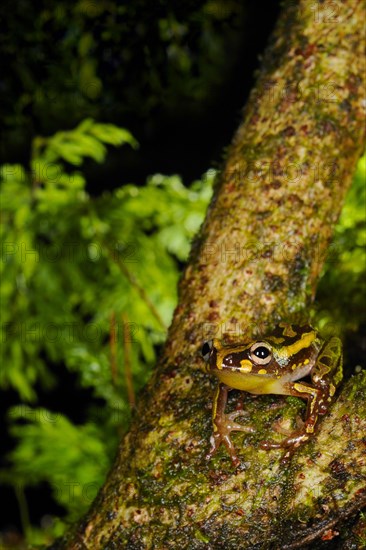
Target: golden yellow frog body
(274, 365)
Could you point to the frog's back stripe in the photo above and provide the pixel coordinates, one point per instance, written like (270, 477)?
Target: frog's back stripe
(300, 344)
(293, 343)
(302, 335)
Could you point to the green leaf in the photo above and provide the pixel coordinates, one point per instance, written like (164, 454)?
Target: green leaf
(108, 133)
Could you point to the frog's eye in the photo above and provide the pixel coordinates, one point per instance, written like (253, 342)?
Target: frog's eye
(260, 353)
(206, 350)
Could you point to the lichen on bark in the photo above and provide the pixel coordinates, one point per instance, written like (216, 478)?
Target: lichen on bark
(256, 261)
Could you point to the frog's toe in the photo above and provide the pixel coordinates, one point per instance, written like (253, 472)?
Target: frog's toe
(232, 426)
(267, 445)
(284, 427)
(294, 440)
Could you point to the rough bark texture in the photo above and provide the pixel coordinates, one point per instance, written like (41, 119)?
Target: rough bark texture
(256, 261)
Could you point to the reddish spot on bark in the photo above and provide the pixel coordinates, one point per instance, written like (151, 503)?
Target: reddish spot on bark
(276, 184)
(277, 169)
(289, 131)
(338, 469)
(307, 51)
(213, 316)
(329, 534)
(254, 119)
(281, 151)
(326, 127)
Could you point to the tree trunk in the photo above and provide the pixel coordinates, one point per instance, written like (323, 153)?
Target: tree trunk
(256, 262)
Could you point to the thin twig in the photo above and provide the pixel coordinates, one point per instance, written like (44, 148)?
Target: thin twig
(127, 358)
(141, 291)
(113, 348)
(23, 509)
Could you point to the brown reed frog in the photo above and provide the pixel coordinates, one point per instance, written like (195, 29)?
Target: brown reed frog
(275, 364)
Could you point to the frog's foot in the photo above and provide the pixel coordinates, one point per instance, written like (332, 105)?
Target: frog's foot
(280, 426)
(216, 440)
(223, 427)
(232, 426)
(295, 440)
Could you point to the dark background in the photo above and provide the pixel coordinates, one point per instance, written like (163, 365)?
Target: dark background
(135, 76)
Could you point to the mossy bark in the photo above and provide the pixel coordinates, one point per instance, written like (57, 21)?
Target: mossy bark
(256, 261)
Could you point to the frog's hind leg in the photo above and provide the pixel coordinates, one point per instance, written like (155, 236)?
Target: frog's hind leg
(314, 398)
(325, 377)
(327, 372)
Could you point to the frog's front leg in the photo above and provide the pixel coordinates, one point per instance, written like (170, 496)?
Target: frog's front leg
(325, 376)
(224, 424)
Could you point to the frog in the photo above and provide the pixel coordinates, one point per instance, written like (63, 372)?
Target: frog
(275, 364)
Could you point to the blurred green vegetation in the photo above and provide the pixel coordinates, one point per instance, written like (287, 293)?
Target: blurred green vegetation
(88, 283)
(341, 294)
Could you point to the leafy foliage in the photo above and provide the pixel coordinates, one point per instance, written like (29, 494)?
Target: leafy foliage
(106, 256)
(74, 457)
(89, 284)
(345, 267)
